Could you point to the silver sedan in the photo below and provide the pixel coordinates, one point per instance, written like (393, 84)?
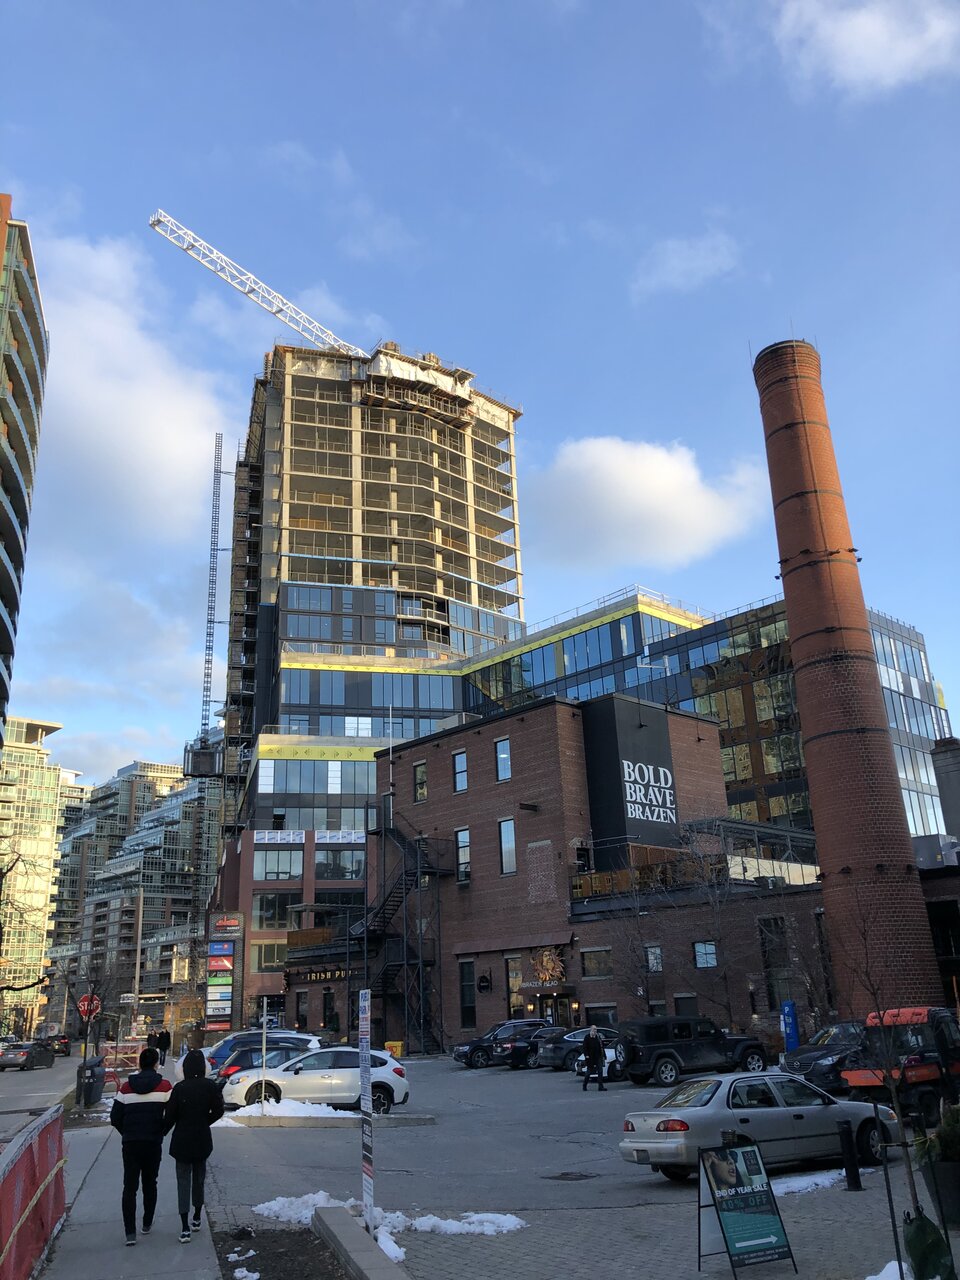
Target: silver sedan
(788, 1119)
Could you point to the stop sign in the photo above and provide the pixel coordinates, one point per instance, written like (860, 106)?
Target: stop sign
(89, 1006)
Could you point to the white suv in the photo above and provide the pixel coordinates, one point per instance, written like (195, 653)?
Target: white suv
(330, 1076)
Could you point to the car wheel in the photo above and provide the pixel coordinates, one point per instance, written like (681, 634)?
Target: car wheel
(665, 1072)
(754, 1061)
(270, 1094)
(870, 1143)
(480, 1058)
(382, 1101)
(533, 1058)
(676, 1172)
(929, 1107)
(570, 1061)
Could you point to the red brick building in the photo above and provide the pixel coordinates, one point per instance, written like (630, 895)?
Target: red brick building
(539, 863)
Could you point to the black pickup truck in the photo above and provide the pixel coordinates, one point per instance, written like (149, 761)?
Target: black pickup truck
(663, 1049)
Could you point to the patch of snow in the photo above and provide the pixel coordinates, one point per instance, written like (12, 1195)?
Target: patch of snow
(799, 1183)
(892, 1272)
(389, 1246)
(237, 1256)
(226, 1123)
(298, 1210)
(242, 1273)
(289, 1107)
(388, 1224)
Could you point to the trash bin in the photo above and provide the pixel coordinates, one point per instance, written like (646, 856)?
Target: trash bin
(90, 1077)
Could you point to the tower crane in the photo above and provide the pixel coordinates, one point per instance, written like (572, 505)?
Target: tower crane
(249, 285)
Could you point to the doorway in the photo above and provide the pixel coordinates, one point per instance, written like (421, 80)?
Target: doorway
(556, 1010)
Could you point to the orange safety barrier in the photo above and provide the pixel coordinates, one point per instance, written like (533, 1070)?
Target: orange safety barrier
(32, 1203)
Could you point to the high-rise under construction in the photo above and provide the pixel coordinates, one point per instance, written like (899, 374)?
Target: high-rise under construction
(375, 531)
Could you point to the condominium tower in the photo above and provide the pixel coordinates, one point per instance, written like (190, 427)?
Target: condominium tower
(23, 364)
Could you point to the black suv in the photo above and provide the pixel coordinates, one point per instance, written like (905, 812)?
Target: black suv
(663, 1049)
(480, 1052)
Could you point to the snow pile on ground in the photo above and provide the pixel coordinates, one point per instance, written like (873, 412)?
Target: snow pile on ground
(892, 1272)
(299, 1210)
(798, 1183)
(242, 1273)
(226, 1123)
(289, 1107)
(237, 1256)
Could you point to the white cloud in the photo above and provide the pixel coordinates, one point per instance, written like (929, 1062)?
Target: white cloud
(681, 265)
(626, 505)
(868, 46)
(291, 158)
(111, 627)
(860, 47)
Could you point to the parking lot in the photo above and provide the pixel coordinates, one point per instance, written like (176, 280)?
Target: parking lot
(532, 1143)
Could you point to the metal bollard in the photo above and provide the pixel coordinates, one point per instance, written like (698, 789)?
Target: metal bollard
(848, 1149)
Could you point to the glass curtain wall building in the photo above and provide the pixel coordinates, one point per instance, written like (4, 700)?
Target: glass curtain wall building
(23, 367)
(739, 670)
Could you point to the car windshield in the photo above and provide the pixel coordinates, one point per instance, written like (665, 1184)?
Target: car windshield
(899, 1041)
(692, 1093)
(832, 1035)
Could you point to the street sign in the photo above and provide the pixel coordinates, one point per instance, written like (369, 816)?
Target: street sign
(789, 1025)
(88, 1006)
(128, 997)
(366, 1111)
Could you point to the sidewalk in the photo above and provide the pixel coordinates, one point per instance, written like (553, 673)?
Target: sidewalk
(91, 1244)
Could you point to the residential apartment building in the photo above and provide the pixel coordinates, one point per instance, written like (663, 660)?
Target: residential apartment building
(23, 367)
(36, 796)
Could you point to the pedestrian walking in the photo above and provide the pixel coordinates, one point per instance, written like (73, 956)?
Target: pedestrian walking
(163, 1044)
(138, 1115)
(195, 1104)
(151, 1040)
(595, 1056)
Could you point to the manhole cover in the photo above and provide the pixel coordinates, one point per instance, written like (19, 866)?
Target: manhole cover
(568, 1177)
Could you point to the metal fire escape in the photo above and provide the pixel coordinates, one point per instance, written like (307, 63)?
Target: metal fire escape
(401, 935)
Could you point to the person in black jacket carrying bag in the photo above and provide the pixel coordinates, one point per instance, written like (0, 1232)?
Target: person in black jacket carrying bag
(195, 1104)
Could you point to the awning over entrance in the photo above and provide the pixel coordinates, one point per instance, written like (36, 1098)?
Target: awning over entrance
(514, 942)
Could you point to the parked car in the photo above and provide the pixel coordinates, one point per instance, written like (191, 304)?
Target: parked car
(26, 1055)
(561, 1050)
(822, 1059)
(521, 1049)
(246, 1058)
(328, 1075)
(218, 1053)
(479, 1052)
(663, 1049)
(62, 1045)
(613, 1057)
(788, 1119)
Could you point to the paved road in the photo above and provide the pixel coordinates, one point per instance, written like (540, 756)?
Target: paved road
(22, 1090)
(532, 1143)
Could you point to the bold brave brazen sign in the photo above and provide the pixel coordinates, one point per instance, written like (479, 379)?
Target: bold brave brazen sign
(648, 792)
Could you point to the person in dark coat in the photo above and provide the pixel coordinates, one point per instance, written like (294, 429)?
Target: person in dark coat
(195, 1104)
(595, 1058)
(163, 1044)
(138, 1113)
(152, 1040)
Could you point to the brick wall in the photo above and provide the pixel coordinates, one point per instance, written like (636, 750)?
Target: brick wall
(876, 921)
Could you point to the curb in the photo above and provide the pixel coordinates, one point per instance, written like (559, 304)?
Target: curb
(329, 1122)
(359, 1254)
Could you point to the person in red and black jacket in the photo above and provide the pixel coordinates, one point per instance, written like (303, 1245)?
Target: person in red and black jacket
(138, 1114)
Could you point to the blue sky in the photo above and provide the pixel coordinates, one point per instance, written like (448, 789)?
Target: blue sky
(604, 208)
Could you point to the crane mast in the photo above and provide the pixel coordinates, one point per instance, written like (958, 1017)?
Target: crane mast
(250, 286)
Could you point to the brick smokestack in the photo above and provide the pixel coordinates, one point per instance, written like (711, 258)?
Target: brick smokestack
(876, 921)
